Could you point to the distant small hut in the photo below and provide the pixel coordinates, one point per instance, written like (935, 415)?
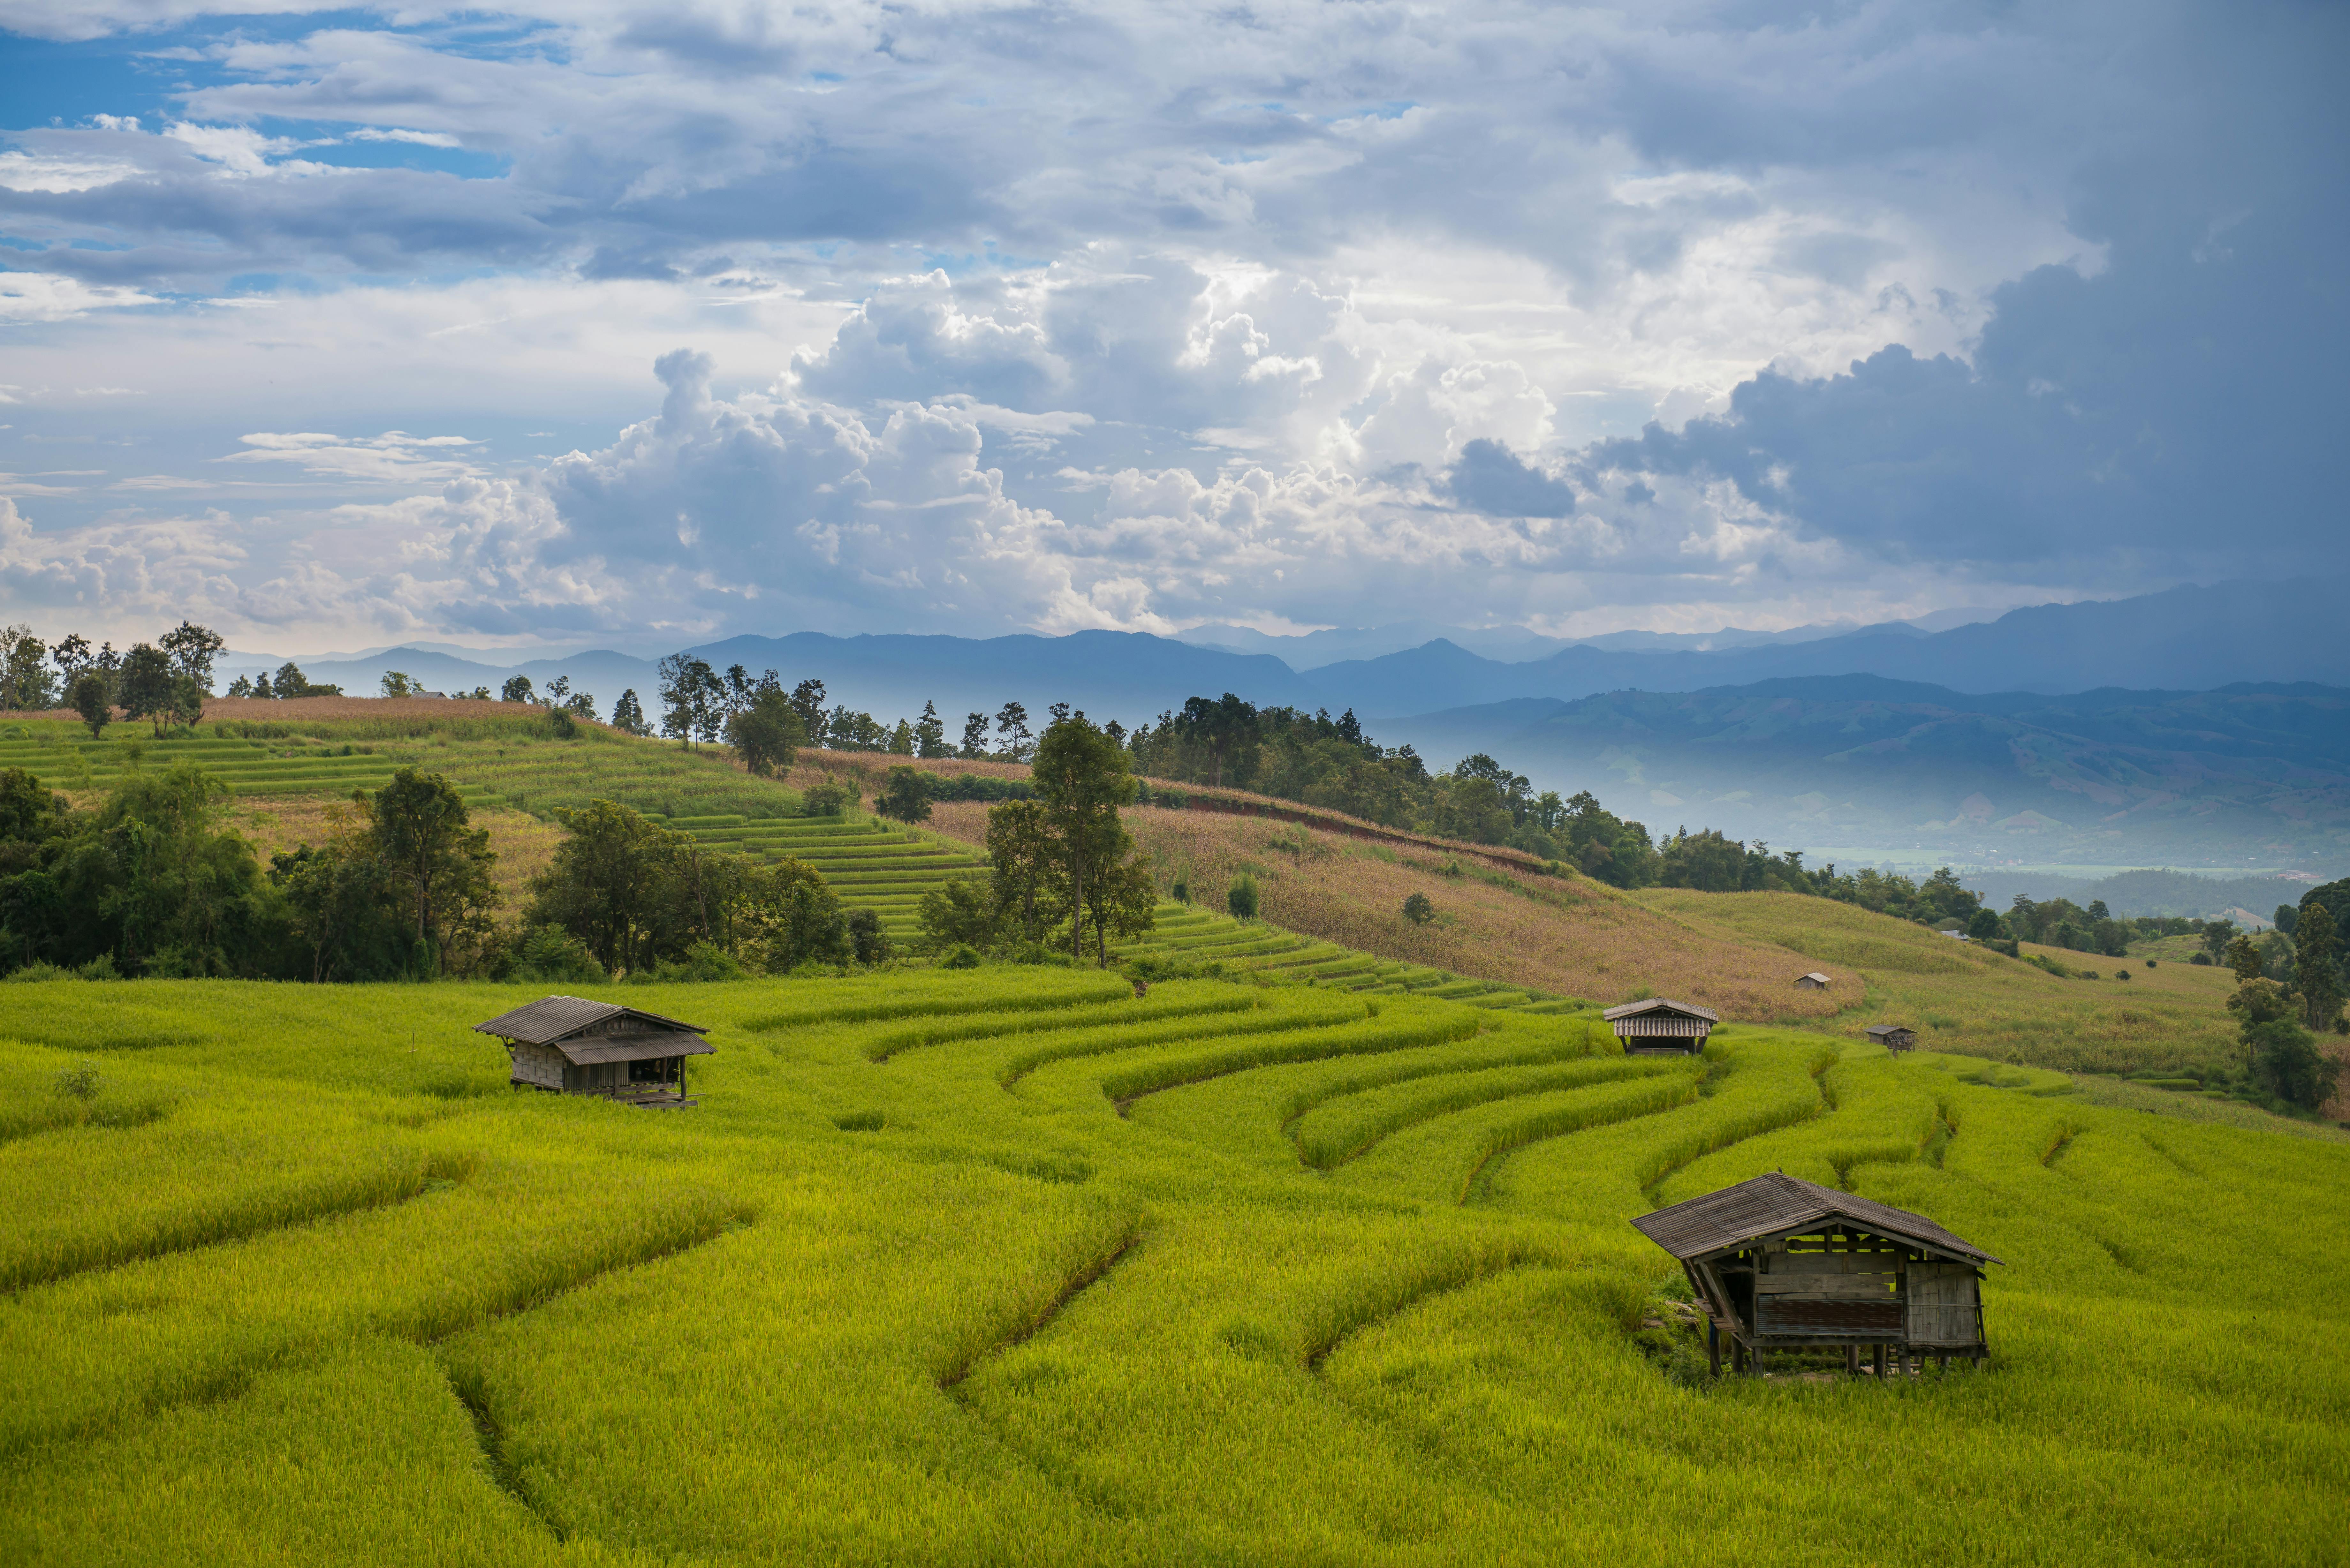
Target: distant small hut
(1814, 980)
(1894, 1036)
(1656, 1026)
(570, 1045)
(1782, 1263)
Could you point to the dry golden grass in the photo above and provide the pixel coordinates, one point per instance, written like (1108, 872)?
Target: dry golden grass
(1963, 998)
(1565, 935)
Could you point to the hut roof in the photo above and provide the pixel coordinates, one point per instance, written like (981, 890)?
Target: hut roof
(551, 1019)
(1817, 976)
(1659, 1005)
(1880, 1031)
(1779, 1204)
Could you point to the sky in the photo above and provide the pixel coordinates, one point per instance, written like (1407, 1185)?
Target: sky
(638, 323)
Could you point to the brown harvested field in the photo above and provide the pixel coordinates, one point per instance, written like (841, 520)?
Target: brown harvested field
(524, 844)
(1568, 935)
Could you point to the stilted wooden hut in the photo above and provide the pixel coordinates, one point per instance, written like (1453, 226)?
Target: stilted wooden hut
(570, 1045)
(1894, 1036)
(1814, 980)
(1658, 1027)
(1782, 1263)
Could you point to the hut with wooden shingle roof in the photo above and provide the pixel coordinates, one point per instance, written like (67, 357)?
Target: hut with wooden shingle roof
(1894, 1036)
(1815, 980)
(570, 1045)
(1782, 1263)
(1657, 1027)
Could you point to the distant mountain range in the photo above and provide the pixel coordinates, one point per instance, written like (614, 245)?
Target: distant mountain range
(2138, 774)
(2249, 775)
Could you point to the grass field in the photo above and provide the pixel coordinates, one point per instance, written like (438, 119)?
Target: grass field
(1962, 997)
(1012, 1266)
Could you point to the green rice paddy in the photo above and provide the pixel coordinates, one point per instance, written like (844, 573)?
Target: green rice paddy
(1011, 1265)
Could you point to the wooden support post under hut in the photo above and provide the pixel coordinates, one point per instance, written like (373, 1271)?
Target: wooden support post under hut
(1658, 1027)
(1782, 1263)
(570, 1045)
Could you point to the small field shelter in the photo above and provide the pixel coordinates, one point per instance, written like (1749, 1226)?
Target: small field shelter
(1782, 1263)
(570, 1045)
(1894, 1036)
(1814, 980)
(1656, 1026)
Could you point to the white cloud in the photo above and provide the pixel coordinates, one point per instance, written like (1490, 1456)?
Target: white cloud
(57, 175)
(47, 296)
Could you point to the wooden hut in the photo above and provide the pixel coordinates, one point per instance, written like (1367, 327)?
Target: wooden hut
(1814, 980)
(1656, 1026)
(570, 1045)
(1780, 1263)
(1894, 1036)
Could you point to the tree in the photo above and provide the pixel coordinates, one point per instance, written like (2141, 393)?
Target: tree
(931, 734)
(417, 825)
(396, 683)
(25, 683)
(1241, 898)
(766, 735)
(2288, 1063)
(602, 884)
(2245, 957)
(153, 882)
(146, 687)
(628, 715)
(292, 682)
(90, 698)
(1419, 909)
(2316, 974)
(1013, 743)
(974, 738)
(961, 913)
(807, 701)
(71, 655)
(1024, 861)
(901, 740)
(1222, 728)
(241, 686)
(868, 942)
(905, 797)
(517, 689)
(690, 695)
(1081, 778)
(1122, 898)
(193, 648)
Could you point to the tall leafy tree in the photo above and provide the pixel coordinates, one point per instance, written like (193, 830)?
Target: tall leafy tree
(602, 885)
(807, 701)
(145, 687)
(767, 735)
(192, 649)
(91, 699)
(628, 715)
(906, 796)
(1025, 863)
(1081, 778)
(931, 734)
(974, 738)
(1013, 741)
(419, 827)
(24, 679)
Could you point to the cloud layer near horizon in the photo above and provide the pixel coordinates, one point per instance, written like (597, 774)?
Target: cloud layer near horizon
(979, 319)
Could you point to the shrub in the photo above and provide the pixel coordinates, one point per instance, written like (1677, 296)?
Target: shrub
(961, 957)
(80, 1081)
(553, 956)
(39, 969)
(2203, 959)
(702, 963)
(1182, 891)
(1241, 898)
(868, 942)
(827, 799)
(1418, 909)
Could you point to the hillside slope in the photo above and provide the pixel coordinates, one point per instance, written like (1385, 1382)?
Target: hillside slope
(1965, 998)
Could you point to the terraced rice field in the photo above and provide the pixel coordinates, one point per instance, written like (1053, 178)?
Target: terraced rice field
(1194, 938)
(871, 863)
(1015, 1265)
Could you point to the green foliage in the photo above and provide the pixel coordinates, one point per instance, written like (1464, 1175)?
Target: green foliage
(1419, 909)
(2288, 1063)
(92, 697)
(828, 799)
(767, 735)
(81, 1080)
(1241, 897)
(961, 913)
(906, 797)
(549, 955)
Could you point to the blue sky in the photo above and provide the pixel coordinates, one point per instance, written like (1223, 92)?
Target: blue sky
(639, 323)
